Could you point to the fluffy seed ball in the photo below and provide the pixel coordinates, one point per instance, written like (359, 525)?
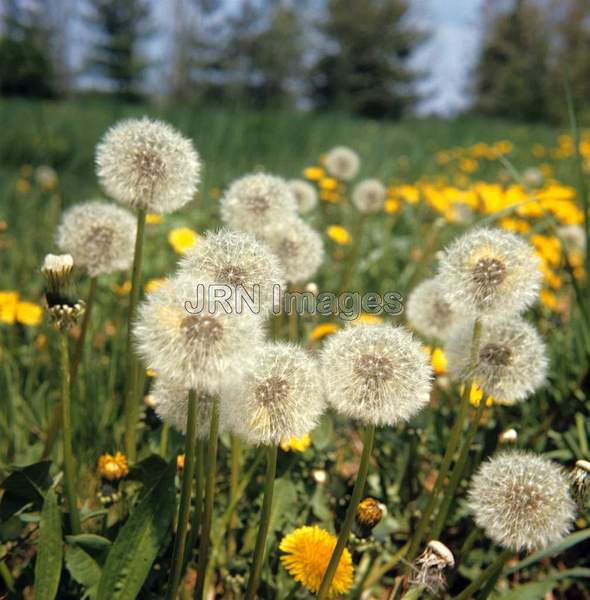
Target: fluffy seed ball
(343, 163)
(511, 362)
(189, 340)
(377, 374)
(305, 195)
(239, 260)
(99, 236)
(278, 399)
(369, 196)
(257, 202)
(299, 248)
(521, 500)
(491, 273)
(147, 164)
(428, 311)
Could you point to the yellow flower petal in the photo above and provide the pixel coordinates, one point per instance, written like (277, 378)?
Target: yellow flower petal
(29, 313)
(322, 330)
(339, 234)
(182, 239)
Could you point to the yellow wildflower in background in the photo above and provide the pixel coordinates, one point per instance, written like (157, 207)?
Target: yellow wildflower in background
(330, 196)
(339, 234)
(151, 373)
(322, 330)
(307, 553)
(476, 394)
(328, 183)
(313, 173)
(154, 219)
(29, 313)
(391, 206)
(300, 444)
(439, 361)
(8, 304)
(113, 467)
(22, 186)
(153, 284)
(182, 239)
(548, 299)
(367, 319)
(180, 462)
(123, 289)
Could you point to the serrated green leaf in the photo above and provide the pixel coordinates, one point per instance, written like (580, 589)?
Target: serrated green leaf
(89, 540)
(50, 549)
(83, 569)
(133, 552)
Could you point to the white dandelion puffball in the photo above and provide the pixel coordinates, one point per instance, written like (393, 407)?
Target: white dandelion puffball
(428, 312)
(239, 260)
(305, 195)
(511, 361)
(191, 341)
(342, 162)
(256, 202)
(521, 500)
(369, 196)
(279, 398)
(573, 237)
(148, 165)
(99, 236)
(490, 273)
(171, 405)
(378, 374)
(299, 248)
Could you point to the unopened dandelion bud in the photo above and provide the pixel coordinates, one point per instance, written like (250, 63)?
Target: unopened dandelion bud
(581, 479)
(510, 436)
(430, 567)
(368, 515)
(64, 307)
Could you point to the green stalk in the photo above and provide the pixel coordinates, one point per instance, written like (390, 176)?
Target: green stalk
(131, 399)
(164, 440)
(485, 575)
(354, 254)
(454, 439)
(208, 503)
(236, 462)
(69, 481)
(356, 497)
(190, 443)
(7, 576)
(269, 484)
(198, 510)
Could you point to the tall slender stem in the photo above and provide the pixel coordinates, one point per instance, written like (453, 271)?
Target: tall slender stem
(208, 503)
(269, 484)
(69, 481)
(486, 574)
(454, 439)
(356, 497)
(79, 350)
(185, 496)
(354, 254)
(236, 463)
(198, 510)
(131, 399)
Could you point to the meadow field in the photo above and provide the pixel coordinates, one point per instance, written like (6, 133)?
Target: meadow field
(441, 179)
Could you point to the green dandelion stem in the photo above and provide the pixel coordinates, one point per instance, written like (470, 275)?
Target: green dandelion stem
(354, 254)
(69, 480)
(208, 503)
(185, 496)
(198, 510)
(493, 571)
(79, 350)
(164, 440)
(131, 396)
(356, 497)
(269, 484)
(235, 466)
(454, 439)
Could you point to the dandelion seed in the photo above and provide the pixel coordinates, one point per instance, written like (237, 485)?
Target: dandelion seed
(305, 195)
(430, 567)
(521, 500)
(369, 196)
(99, 236)
(377, 374)
(342, 162)
(148, 165)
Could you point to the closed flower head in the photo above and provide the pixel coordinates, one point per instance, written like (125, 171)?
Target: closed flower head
(342, 162)
(99, 236)
(148, 165)
(428, 310)
(511, 363)
(521, 500)
(369, 196)
(377, 374)
(280, 397)
(490, 273)
(305, 195)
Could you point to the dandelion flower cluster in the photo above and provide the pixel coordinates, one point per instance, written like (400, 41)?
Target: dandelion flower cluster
(369, 196)
(521, 500)
(342, 162)
(278, 399)
(99, 236)
(305, 195)
(148, 165)
(377, 374)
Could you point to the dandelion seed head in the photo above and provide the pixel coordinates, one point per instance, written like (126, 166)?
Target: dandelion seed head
(430, 566)
(148, 165)
(99, 236)
(342, 162)
(490, 273)
(369, 196)
(573, 237)
(521, 500)
(279, 398)
(377, 374)
(305, 195)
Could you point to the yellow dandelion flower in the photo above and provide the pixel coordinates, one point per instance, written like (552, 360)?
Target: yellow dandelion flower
(439, 361)
(322, 330)
(391, 206)
(548, 299)
(328, 183)
(329, 196)
(23, 186)
(153, 284)
(307, 554)
(468, 165)
(180, 462)
(113, 467)
(29, 313)
(123, 289)
(8, 304)
(182, 239)
(313, 173)
(476, 394)
(516, 225)
(339, 234)
(367, 319)
(154, 219)
(151, 373)
(300, 444)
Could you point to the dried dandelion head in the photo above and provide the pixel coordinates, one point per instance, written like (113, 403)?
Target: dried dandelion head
(148, 165)
(369, 196)
(430, 566)
(305, 195)
(279, 398)
(490, 273)
(521, 500)
(189, 340)
(377, 374)
(63, 305)
(239, 260)
(428, 311)
(342, 162)
(99, 236)
(257, 202)
(511, 362)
